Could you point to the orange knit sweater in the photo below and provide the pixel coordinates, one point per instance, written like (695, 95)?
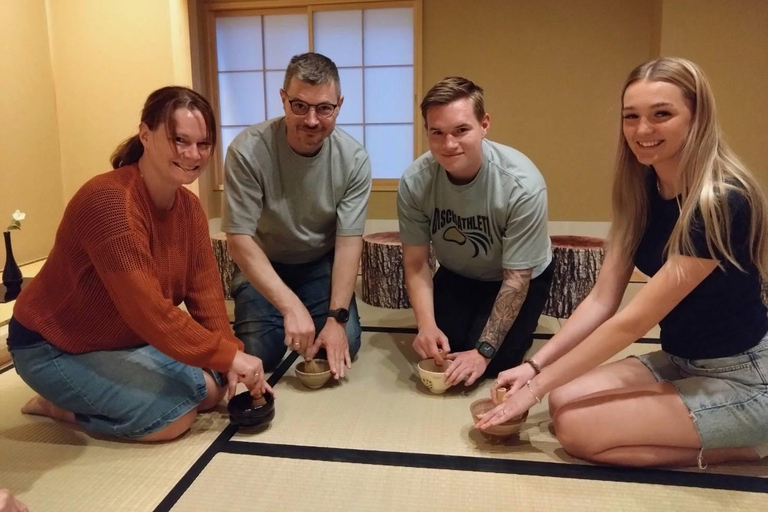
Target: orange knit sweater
(117, 271)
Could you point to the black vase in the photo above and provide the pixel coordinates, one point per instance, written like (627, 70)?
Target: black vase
(12, 277)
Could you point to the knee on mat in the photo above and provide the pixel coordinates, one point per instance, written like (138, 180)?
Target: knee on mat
(180, 427)
(174, 430)
(572, 429)
(354, 347)
(557, 399)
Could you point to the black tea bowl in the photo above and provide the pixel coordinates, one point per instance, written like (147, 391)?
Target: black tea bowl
(243, 412)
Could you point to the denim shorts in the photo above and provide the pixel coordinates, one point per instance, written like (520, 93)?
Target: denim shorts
(126, 393)
(727, 396)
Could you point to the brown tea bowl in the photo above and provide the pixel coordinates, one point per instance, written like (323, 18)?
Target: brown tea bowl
(314, 380)
(501, 431)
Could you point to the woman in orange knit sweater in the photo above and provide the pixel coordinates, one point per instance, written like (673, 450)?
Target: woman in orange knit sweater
(98, 333)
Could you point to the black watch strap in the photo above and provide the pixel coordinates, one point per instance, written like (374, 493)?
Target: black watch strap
(486, 349)
(341, 314)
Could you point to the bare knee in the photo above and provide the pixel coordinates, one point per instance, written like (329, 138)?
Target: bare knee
(572, 429)
(561, 396)
(556, 401)
(174, 430)
(215, 393)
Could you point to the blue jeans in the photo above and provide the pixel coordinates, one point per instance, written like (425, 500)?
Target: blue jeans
(127, 393)
(259, 325)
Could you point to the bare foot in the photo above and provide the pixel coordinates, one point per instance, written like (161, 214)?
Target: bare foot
(10, 504)
(39, 406)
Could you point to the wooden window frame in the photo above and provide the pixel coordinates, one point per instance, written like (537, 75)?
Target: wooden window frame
(209, 64)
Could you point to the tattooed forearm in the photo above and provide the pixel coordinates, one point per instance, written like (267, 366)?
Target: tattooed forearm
(510, 299)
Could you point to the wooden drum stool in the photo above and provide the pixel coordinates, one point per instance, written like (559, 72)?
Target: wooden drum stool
(223, 261)
(577, 261)
(383, 274)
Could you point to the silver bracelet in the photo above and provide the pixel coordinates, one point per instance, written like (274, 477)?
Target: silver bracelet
(531, 390)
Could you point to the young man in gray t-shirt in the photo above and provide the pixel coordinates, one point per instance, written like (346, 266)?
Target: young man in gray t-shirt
(296, 192)
(483, 206)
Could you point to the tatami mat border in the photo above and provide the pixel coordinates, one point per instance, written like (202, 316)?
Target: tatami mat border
(191, 475)
(506, 466)
(217, 446)
(399, 330)
(225, 444)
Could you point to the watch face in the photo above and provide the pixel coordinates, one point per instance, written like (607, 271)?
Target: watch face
(342, 315)
(486, 350)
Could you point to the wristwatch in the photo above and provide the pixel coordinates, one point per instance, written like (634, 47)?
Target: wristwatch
(341, 315)
(486, 349)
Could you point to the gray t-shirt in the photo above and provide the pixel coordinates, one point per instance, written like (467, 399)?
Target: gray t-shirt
(496, 222)
(294, 206)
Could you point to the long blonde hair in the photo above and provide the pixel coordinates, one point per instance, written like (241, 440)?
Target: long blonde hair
(709, 172)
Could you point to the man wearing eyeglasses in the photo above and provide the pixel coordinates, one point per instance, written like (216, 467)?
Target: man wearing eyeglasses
(296, 193)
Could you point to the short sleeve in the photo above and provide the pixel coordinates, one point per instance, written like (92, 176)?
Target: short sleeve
(243, 194)
(739, 220)
(526, 239)
(414, 223)
(353, 207)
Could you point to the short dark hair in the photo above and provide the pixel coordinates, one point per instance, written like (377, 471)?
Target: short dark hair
(159, 109)
(454, 88)
(314, 69)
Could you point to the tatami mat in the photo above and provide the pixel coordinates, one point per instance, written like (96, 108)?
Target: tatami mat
(380, 408)
(53, 467)
(245, 483)
(382, 405)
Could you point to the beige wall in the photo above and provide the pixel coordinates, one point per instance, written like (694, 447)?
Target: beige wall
(552, 72)
(74, 80)
(30, 172)
(108, 56)
(729, 40)
(74, 75)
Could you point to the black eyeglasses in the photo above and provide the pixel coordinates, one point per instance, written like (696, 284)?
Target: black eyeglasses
(301, 108)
